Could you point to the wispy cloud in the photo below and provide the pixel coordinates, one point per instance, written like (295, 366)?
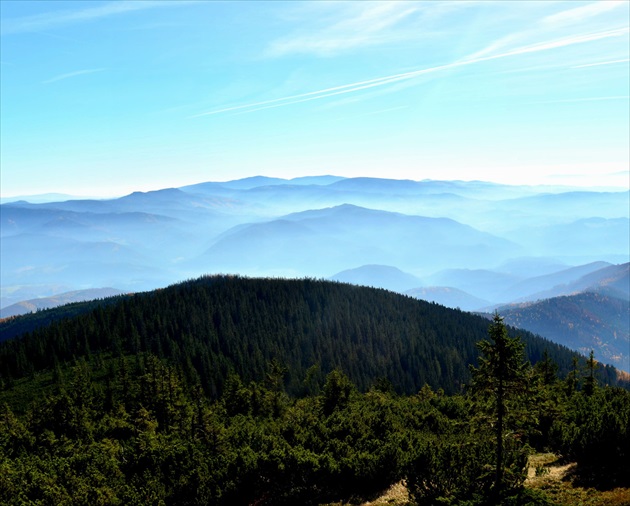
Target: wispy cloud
(71, 74)
(553, 44)
(583, 99)
(581, 13)
(338, 27)
(387, 80)
(555, 24)
(600, 63)
(315, 95)
(562, 42)
(57, 19)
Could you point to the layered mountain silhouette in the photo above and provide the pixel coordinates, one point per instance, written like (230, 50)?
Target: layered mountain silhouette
(472, 245)
(325, 240)
(380, 276)
(449, 297)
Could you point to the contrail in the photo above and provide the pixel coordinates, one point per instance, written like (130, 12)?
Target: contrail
(600, 63)
(71, 74)
(381, 81)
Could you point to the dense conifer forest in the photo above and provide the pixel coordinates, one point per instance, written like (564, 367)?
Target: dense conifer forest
(227, 390)
(217, 325)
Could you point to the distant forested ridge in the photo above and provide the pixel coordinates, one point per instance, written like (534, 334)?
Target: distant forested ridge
(582, 321)
(214, 326)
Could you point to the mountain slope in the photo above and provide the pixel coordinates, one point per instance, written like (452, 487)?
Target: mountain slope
(325, 241)
(583, 322)
(592, 237)
(32, 305)
(613, 280)
(33, 259)
(481, 283)
(530, 287)
(379, 276)
(215, 325)
(449, 297)
(570, 205)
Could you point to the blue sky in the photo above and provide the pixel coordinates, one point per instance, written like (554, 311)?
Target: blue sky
(103, 98)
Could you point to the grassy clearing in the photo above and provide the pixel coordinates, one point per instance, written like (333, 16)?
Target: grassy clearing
(556, 479)
(396, 495)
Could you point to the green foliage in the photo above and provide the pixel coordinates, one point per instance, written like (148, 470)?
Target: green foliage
(226, 391)
(214, 326)
(337, 390)
(137, 433)
(447, 470)
(502, 378)
(594, 430)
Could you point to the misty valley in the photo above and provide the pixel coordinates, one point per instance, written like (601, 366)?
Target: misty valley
(318, 341)
(552, 260)
(314, 253)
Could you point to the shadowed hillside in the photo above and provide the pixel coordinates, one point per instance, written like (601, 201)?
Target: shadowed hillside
(583, 322)
(216, 325)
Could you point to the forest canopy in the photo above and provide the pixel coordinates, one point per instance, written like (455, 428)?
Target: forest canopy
(229, 391)
(217, 325)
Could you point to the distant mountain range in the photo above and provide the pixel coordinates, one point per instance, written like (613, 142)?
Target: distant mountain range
(449, 297)
(473, 245)
(30, 306)
(470, 286)
(500, 287)
(42, 198)
(316, 242)
(379, 276)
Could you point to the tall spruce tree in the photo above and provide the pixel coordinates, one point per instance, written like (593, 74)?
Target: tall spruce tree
(589, 380)
(502, 377)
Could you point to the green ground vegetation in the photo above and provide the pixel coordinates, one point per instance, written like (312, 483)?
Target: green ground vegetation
(106, 419)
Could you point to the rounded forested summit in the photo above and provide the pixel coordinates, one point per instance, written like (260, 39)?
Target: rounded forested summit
(216, 325)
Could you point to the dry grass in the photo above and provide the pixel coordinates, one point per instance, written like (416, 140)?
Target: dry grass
(396, 495)
(555, 479)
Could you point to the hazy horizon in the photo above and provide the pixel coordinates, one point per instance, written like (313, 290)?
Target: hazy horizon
(106, 98)
(55, 196)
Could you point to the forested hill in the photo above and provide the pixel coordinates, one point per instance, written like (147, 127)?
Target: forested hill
(213, 326)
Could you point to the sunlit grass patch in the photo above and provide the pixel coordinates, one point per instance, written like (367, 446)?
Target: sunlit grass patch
(558, 484)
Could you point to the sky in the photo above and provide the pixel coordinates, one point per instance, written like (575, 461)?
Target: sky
(105, 98)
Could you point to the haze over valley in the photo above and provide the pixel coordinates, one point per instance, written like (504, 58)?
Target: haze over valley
(475, 245)
(315, 252)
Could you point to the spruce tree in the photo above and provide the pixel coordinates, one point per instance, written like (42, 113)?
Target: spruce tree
(589, 380)
(572, 381)
(502, 377)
